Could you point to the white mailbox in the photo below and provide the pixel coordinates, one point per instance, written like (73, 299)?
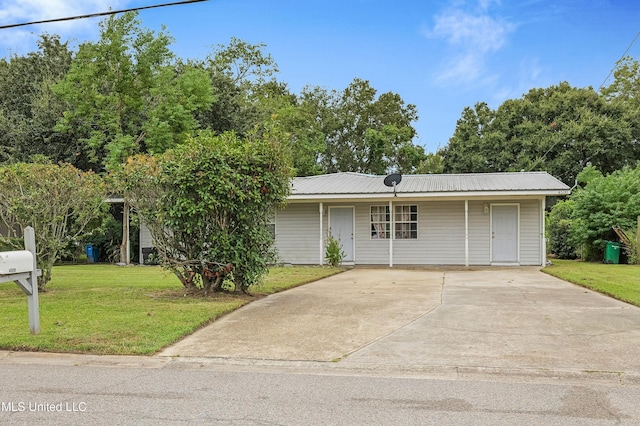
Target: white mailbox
(15, 262)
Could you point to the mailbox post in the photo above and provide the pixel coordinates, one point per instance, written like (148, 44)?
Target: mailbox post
(20, 267)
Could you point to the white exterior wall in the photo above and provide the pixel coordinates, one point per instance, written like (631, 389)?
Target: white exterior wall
(368, 251)
(530, 233)
(441, 229)
(298, 233)
(479, 234)
(441, 233)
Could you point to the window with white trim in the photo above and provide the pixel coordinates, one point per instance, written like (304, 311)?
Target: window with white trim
(405, 222)
(380, 222)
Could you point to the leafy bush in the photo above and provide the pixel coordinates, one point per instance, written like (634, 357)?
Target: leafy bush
(61, 203)
(559, 230)
(605, 202)
(333, 252)
(207, 204)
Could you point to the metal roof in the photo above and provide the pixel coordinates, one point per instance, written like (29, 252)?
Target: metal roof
(358, 185)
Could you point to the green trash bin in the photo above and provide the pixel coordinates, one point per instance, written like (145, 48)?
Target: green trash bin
(612, 252)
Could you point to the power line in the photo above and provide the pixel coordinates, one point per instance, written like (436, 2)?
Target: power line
(623, 55)
(603, 83)
(93, 15)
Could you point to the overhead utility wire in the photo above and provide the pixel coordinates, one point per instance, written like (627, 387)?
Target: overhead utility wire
(603, 83)
(623, 55)
(93, 15)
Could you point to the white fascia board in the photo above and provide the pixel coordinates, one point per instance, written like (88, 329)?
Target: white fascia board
(429, 195)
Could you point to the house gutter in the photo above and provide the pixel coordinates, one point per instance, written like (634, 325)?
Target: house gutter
(429, 195)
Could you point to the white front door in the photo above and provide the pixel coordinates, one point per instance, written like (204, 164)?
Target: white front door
(504, 234)
(341, 228)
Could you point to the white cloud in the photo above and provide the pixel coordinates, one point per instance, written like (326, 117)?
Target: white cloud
(22, 39)
(13, 11)
(465, 30)
(462, 68)
(471, 37)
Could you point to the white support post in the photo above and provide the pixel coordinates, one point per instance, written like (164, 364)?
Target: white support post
(321, 240)
(466, 233)
(543, 241)
(391, 232)
(125, 247)
(32, 299)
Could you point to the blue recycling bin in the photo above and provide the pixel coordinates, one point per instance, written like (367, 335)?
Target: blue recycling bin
(92, 253)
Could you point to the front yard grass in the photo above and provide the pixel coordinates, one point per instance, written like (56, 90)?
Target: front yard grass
(138, 310)
(619, 281)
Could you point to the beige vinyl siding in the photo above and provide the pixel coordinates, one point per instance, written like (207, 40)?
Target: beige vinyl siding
(479, 236)
(368, 251)
(145, 237)
(146, 241)
(298, 233)
(441, 233)
(440, 236)
(530, 233)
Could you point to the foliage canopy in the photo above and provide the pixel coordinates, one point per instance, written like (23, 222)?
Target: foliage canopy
(560, 129)
(60, 202)
(208, 202)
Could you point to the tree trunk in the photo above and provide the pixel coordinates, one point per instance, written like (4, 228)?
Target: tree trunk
(46, 276)
(217, 285)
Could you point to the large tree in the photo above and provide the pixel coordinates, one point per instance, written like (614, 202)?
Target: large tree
(625, 92)
(28, 107)
(560, 129)
(60, 202)
(241, 75)
(127, 94)
(207, 204)
(362, 132)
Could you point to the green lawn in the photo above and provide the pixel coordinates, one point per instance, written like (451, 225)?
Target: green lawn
(106, 309)
(619, 281)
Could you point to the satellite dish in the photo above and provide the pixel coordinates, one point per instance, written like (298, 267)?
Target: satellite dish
(393, 180)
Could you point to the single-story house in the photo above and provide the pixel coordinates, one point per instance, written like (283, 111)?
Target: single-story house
(448, 219)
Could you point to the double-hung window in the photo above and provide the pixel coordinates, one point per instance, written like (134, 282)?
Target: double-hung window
(405, 222)
(380, 222)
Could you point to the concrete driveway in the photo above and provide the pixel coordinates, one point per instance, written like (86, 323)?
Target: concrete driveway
(491, 318)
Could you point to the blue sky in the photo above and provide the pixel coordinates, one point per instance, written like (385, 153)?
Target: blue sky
(440, 55)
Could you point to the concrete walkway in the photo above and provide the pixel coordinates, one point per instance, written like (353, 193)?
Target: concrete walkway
(493, 318)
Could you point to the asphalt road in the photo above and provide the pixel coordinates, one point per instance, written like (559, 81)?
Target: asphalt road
(191, 392)
(498, 347)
